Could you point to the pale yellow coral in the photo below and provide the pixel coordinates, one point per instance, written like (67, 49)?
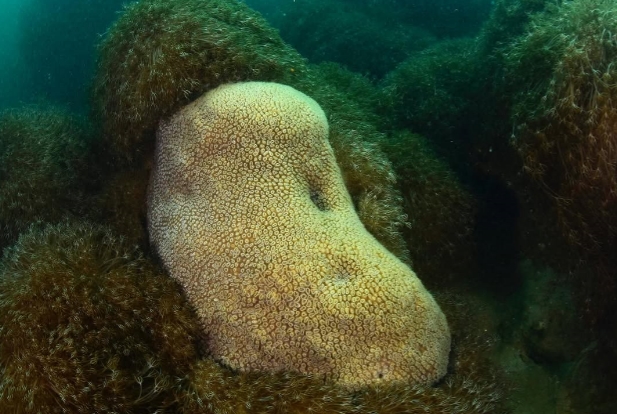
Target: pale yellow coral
(248, 210)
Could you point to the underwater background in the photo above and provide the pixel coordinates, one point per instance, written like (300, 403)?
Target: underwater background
(497, 118)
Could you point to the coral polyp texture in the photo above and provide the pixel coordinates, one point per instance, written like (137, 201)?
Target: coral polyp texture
(161, 54)
(368, 174)
(248, 210)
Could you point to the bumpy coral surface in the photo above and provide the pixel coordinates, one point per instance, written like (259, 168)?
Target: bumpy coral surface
(248, 210)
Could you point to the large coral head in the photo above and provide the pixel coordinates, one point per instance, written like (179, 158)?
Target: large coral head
(248, 210)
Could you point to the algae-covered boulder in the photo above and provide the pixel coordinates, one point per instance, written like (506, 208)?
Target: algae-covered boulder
(441, 211)
(160, 54)
(89, 325)
(43, 168)
(563, 77)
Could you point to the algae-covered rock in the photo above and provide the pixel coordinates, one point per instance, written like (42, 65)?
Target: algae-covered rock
(44, 168)
(89, 325)
(161, 54)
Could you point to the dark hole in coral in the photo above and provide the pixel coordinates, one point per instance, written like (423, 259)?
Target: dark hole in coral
(343, 275)
(318, 200)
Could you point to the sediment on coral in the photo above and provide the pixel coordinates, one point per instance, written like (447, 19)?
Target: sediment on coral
(89, 325)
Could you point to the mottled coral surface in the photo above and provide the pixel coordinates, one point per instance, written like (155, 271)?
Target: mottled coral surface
(248, 210)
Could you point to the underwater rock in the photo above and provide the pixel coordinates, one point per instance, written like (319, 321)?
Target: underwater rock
(349, 33)
(431, 91)
(248, 210)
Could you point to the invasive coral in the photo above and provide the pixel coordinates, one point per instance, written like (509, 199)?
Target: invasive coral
(344, 84)
(197, 47)
(565, 123)
(508, 20)
(286, 276)
(161, 54)
(459, 396)
(566, 116)
(89, 325)
(440, 210)
(214, 389)
(353, 35)
(485, 120)
(121, 205)
(43, 167)
(352, 21)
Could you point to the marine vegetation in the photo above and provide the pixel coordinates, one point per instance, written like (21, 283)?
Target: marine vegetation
(163, 53)
(565, 116)
(347, 32)
(89, 325)
(430, 93)
(120, 204)
(43, 168)
(441, 211)
(564, 127)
